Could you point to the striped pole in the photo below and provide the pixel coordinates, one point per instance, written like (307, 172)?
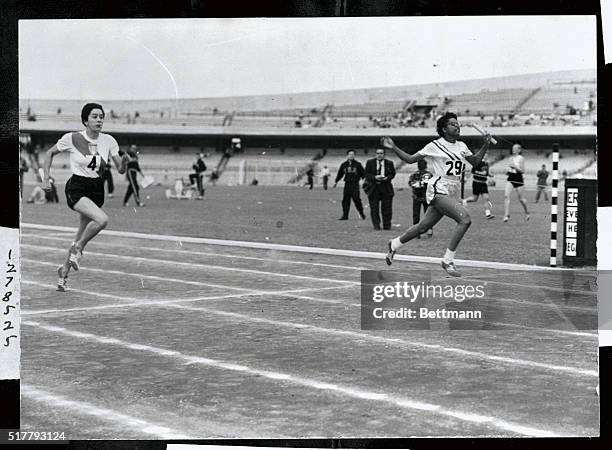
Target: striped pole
(553, 205)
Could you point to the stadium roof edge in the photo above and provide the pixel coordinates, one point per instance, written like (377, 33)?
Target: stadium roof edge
(156, 130)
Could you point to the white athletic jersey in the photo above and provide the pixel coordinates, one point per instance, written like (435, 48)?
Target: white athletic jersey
(519, 162)
(86, 154)
(446, 159)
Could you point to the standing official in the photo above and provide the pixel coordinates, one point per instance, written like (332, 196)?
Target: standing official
(107, 176)
(379, 172)
(325, 176)
(418, 182)
(352, 172)
(133, 169)
(196, 178)
(542, 182)
(310, 177)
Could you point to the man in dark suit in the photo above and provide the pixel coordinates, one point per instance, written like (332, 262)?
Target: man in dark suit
(378, 173)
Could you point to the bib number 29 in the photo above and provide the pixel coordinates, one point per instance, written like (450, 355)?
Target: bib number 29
(454, 168)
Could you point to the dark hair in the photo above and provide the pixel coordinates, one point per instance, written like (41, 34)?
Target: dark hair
(443, 121)
(87, 110)
(350, 150)
(421, 164)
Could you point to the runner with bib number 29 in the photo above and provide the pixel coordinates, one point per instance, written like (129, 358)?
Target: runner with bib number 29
(446, 159)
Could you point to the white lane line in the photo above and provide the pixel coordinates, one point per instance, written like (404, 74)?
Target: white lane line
(355, 335)
(301, 249)
(181, 281)
(133, 301)
(548, 305)
(393, 341)
(199, 253)
(502, 324)
(197, 265)
(292, 293)
(470, 277)
(109, 415)
(348, 391)
(531, 286)
(310, 298)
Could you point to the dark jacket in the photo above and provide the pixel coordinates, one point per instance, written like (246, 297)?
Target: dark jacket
(351, 171)
(384, 186)
(199, 166)
(418, 182)
(132, 168)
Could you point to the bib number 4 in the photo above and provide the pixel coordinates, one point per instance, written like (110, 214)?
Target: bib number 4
(92, 164)
(97, 164)
(454, 168)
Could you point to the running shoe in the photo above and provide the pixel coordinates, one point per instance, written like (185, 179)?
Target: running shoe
(527, 217)
(390, 255)
(506, 218)
(62, 281)
(451, 269)
(75, 258)
(491, 216)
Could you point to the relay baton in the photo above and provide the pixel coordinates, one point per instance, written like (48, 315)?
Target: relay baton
(483, 132)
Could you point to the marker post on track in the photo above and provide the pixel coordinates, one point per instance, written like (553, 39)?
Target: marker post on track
(554, 205)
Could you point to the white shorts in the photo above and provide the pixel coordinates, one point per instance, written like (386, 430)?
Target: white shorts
(442, 186)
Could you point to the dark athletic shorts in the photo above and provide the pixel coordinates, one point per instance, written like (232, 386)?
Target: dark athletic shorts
(480, 188)
(516, 179)
(78, 187)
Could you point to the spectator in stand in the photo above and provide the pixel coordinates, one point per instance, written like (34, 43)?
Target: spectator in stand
(542, 183)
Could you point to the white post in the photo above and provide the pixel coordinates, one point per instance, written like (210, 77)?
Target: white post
(554, 205)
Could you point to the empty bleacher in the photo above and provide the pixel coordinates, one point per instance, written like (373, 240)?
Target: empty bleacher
(574, 95)
(369, 109)
(488, 102)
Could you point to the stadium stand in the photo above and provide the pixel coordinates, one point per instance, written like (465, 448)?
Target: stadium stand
(558, 99)
(488, 102)
(543, 100)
